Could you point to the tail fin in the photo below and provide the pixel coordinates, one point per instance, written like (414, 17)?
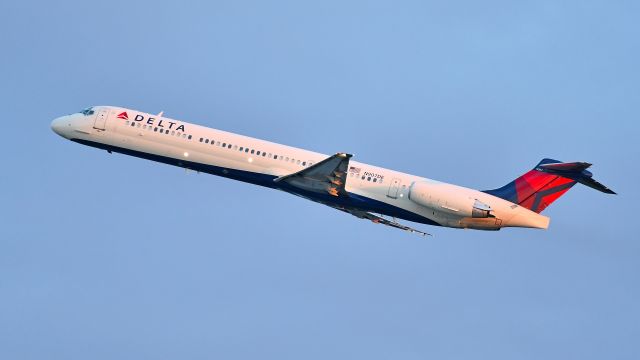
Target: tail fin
(543, 185)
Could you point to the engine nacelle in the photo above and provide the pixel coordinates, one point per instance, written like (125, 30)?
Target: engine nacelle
(451, 199)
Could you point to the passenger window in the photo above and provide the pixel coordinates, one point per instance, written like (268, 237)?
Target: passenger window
(241, 148)
(264, 154)
(253, 151)
(304, 163)
(166, 131)
(173, 133)
(375, 179)
(369, 178)
(235, 147)
(246, 150)
(229, 146)
(200, 139)
(258, 153)
(298, 162)
(155, 129)
(206, 141)
(362, 177)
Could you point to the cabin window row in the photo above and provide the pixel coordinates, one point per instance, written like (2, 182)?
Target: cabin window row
(160, 130)
(224, 145)
(255, 152)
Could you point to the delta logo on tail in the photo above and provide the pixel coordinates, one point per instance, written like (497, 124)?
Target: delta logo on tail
(123, 115)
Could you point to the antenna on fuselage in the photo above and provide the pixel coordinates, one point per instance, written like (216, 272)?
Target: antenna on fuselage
(160, 113)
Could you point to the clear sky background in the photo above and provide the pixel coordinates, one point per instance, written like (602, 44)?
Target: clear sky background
(112, 257)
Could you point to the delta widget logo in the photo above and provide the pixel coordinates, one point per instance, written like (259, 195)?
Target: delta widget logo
(123, 115)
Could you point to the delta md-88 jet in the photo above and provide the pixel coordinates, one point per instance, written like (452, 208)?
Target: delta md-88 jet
(363, 190)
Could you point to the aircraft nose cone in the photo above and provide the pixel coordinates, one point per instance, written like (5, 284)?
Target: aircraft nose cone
(58, 124)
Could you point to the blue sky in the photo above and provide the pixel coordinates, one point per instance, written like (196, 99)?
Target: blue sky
(105, 256)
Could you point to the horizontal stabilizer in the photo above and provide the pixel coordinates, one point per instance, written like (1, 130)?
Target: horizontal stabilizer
(576, 171)
(573, 166)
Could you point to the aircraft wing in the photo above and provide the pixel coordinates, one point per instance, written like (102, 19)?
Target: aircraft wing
(329, 175)
(380, 220)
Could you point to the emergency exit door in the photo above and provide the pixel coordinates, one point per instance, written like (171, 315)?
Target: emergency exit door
(393, 188)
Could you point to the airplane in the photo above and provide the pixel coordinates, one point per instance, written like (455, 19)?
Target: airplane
(365, 191)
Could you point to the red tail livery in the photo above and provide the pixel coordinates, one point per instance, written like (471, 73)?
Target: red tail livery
(543, 185)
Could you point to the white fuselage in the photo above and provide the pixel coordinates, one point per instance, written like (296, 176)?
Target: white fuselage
(258, 161)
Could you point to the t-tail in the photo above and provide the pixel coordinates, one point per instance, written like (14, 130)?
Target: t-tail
(543, 185)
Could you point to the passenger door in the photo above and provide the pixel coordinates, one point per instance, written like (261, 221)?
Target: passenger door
(101, 119)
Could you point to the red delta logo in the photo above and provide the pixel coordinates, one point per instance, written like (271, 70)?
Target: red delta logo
(123, 115)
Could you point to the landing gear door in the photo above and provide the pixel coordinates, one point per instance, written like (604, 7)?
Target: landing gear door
(393, 188)
(101, 119)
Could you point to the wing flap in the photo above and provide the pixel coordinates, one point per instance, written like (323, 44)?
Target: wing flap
(380, 220)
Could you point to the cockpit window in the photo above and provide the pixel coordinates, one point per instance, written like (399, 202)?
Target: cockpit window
(88, 111)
